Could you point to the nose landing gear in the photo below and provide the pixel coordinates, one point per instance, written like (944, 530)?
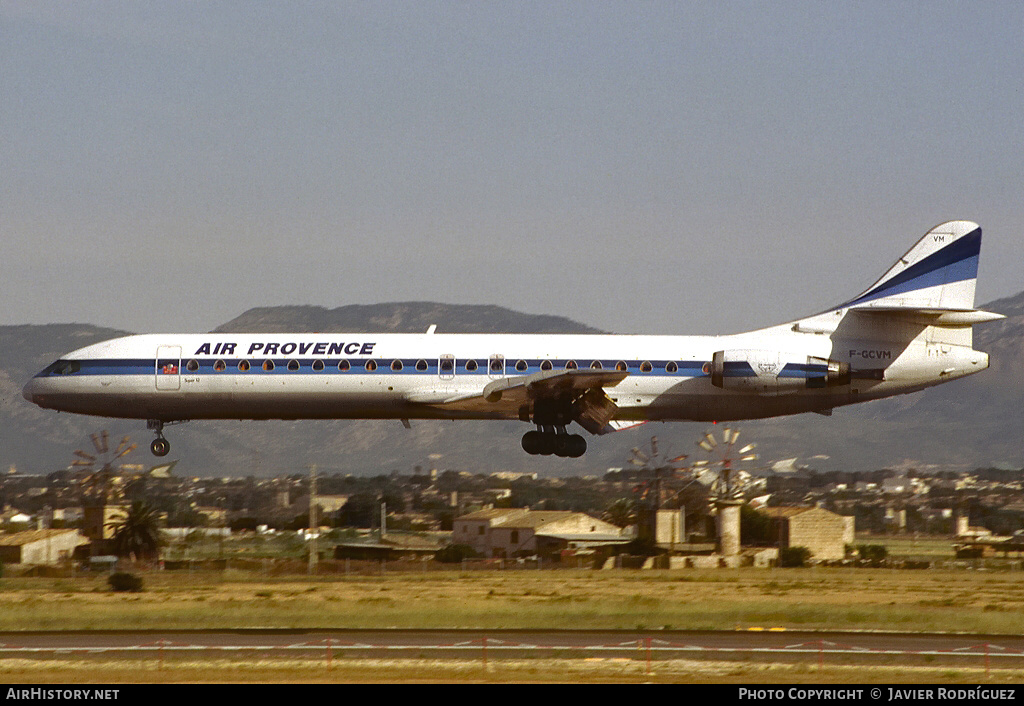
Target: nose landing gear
(160, 446)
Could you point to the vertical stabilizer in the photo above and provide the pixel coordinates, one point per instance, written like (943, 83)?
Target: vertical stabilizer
(939, 272)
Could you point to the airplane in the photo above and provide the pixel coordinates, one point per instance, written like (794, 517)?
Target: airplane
(909, 330)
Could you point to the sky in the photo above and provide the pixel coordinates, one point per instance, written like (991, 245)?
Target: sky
(677, 167)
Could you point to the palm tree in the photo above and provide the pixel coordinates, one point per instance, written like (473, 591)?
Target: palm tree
(621, 512)
(137, 535)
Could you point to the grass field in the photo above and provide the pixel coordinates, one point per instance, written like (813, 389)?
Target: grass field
(972, 601)
(975, 601)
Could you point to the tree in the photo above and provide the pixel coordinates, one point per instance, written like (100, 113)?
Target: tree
(137, 536)
(755, 527)
(621, 512)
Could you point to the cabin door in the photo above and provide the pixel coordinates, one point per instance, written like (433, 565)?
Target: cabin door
(168, 368)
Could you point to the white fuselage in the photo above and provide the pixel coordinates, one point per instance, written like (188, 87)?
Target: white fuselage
(424, 376)
(909, 330)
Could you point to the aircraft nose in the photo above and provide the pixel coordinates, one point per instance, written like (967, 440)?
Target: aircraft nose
(28, 391)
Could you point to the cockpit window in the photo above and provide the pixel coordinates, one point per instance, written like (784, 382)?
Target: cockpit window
(65, 367)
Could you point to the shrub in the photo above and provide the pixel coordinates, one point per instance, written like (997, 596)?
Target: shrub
(872, 552)
(642, 546)
(454, 553)
(970, 552)
(123, 581)
(794, 556)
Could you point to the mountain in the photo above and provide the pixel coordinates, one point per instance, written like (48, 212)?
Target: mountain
(977, 421)
(401, 317)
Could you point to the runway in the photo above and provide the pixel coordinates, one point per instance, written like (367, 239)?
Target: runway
(760, 645)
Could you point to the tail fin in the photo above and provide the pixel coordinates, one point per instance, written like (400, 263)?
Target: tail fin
(932, 285)
(938, 273)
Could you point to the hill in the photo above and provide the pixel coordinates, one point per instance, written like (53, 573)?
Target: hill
(968, 423)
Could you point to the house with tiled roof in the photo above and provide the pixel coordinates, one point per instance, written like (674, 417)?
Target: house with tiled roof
(45, 546)
(518, 532)
(825, 533)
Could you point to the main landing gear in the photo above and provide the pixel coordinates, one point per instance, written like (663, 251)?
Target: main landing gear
(547, 440)
(551, 418)
(160, 446)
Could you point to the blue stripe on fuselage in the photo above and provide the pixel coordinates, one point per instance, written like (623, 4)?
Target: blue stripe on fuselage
(116, 367)
(956, 262)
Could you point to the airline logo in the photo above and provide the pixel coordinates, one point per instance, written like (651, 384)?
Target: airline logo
(290, 348)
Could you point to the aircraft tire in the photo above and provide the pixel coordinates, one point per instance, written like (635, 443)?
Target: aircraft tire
(533, 442)
(577, 446)
(561, 445)
(160, 447)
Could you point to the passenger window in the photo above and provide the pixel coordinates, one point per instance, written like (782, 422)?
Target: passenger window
(621, 366)
(471, 365)
(243, 365)
(646, 367)
(521, 366)
(343, 366)
(596, 365)
(370, 366)
(546, 365)
(268, 365)
(671, 367)
(192, 366)
(318, 365)
(293, 365)
(396, 365)
(571, 365)
(447, 365)
(421, 365)
(220, 366)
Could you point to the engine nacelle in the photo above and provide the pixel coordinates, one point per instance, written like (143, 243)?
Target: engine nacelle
(767, 372)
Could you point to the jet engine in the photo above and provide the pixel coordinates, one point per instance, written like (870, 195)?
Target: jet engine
(767, 372)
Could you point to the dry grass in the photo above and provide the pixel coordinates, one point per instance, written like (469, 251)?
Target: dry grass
(927, 600)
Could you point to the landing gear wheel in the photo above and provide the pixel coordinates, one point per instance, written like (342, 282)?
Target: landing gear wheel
(576, 447)
(533, 441)
(160, 447)
(547, 442)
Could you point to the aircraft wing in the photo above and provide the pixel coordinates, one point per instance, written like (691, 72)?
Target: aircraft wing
(585, 388)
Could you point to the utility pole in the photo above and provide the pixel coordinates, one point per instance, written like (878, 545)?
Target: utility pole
(314, 522)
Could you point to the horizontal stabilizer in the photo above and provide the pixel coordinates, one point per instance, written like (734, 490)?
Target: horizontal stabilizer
(932, 316)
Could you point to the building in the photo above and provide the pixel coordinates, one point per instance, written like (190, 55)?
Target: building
(46, 546)
(99, 522)
(391, 547)
(516, 532)
(825, 533)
